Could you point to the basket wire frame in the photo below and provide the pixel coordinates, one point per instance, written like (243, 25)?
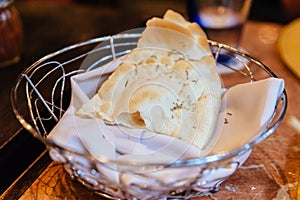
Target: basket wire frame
(48, 109)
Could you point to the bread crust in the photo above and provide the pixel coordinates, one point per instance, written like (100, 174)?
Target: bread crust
(175, 22)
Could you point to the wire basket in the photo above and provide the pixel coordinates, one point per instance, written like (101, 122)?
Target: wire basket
(42, 94)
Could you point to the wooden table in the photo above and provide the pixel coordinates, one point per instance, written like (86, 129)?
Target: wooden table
(272, 170)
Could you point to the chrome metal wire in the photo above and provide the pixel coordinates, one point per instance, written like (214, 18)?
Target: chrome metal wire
(44, 87)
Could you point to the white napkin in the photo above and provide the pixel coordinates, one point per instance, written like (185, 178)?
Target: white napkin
(246, 110)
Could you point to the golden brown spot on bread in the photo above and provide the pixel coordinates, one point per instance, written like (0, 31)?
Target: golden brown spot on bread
(140, 96)
(150, 60)
(137, 119)
(170, 15)
(124, 68)
(160, 23)
(182, 65)
(106, 108)
(165, 60)
(148, 94)
(195, 28)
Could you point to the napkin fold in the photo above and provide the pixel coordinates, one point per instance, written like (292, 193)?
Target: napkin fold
(246, 110)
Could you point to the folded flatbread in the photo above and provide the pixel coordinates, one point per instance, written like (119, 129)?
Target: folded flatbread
(169, 84)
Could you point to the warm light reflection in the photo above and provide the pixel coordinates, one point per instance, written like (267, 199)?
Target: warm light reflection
(268, 34)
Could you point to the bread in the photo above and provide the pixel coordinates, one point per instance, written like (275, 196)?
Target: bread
(171, 88)
(173, 32)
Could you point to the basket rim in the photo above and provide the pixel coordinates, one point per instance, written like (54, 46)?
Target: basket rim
(183, 163)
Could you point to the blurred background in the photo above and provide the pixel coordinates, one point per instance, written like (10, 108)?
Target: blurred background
(49, 25)
(280, 11)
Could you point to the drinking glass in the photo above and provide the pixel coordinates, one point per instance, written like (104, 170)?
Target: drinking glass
(222, 20)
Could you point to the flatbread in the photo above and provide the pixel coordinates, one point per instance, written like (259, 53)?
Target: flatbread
(173, 32)
(163, 86)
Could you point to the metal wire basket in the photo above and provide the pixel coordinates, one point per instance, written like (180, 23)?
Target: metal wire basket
(41, 95)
